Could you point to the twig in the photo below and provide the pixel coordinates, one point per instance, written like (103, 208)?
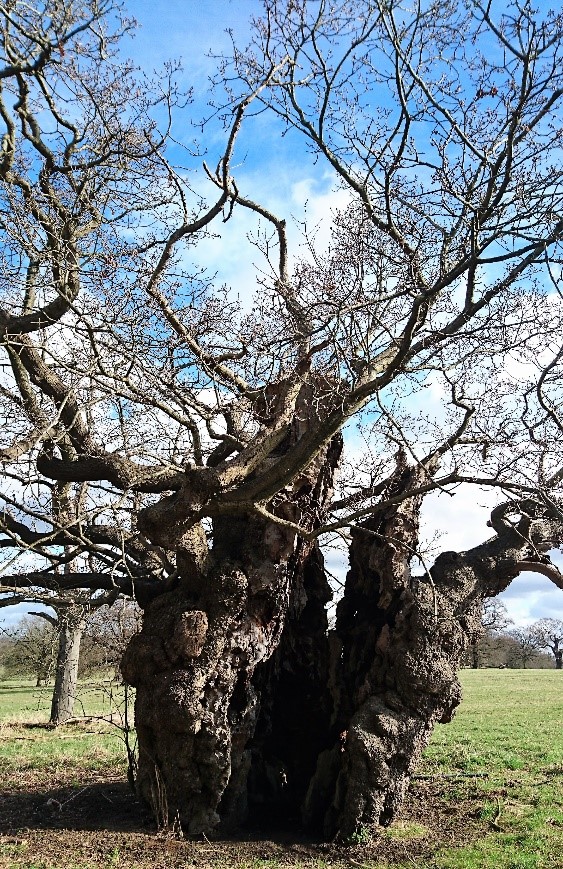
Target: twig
(453, 775)
(494, 821)
(73, 797)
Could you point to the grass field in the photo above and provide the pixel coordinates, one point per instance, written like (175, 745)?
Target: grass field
(488, 795)
(31, 751)
(508, 733)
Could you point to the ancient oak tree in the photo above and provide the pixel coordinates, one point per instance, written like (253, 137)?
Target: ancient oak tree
(171, 438)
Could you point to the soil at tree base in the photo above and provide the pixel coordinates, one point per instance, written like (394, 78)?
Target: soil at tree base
(99, 823)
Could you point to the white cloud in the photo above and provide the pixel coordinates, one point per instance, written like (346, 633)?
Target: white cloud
(461, 521)
(531, 597)
(229, 252)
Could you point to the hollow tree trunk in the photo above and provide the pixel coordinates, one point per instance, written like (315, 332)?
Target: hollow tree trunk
(245, 698)
(295, 721)
(71, 627)
(243, 694)
(193, 664)
(398, 647)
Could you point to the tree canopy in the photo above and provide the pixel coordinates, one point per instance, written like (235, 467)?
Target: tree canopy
(131, 375)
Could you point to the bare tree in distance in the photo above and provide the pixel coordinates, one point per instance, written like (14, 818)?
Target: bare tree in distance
(549, 635)
(161, 440)
(72, 613)
(494, 621)
(30, 648)
(107, 633)
(69, 608)
(495, 616)
(526, 646)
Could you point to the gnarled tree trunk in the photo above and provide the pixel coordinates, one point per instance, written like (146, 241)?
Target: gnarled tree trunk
(194, 662)
(244, 697)
(400, 643)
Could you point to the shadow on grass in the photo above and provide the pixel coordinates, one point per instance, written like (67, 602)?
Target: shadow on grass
(99, 806)
(24, 689)
(66, 823)
(111, 806)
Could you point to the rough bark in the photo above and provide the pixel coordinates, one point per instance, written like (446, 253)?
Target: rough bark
(71, 621)
(193, 663)
(400, 641)
(244, 698)
(397, 656)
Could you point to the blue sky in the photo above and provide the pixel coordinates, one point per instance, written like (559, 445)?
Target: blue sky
(188, 30)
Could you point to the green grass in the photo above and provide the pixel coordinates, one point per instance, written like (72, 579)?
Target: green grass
(499, 764)
(509, 728)
(20, 699)
(28, 748)
(509, 720)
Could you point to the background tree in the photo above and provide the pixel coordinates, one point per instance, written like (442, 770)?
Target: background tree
(494, 621)
(68, 615)
(163, 440)
(31, 649)
(108, 631)
(549, 635)
(34, 647)
(5, 649)
(525, 647)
